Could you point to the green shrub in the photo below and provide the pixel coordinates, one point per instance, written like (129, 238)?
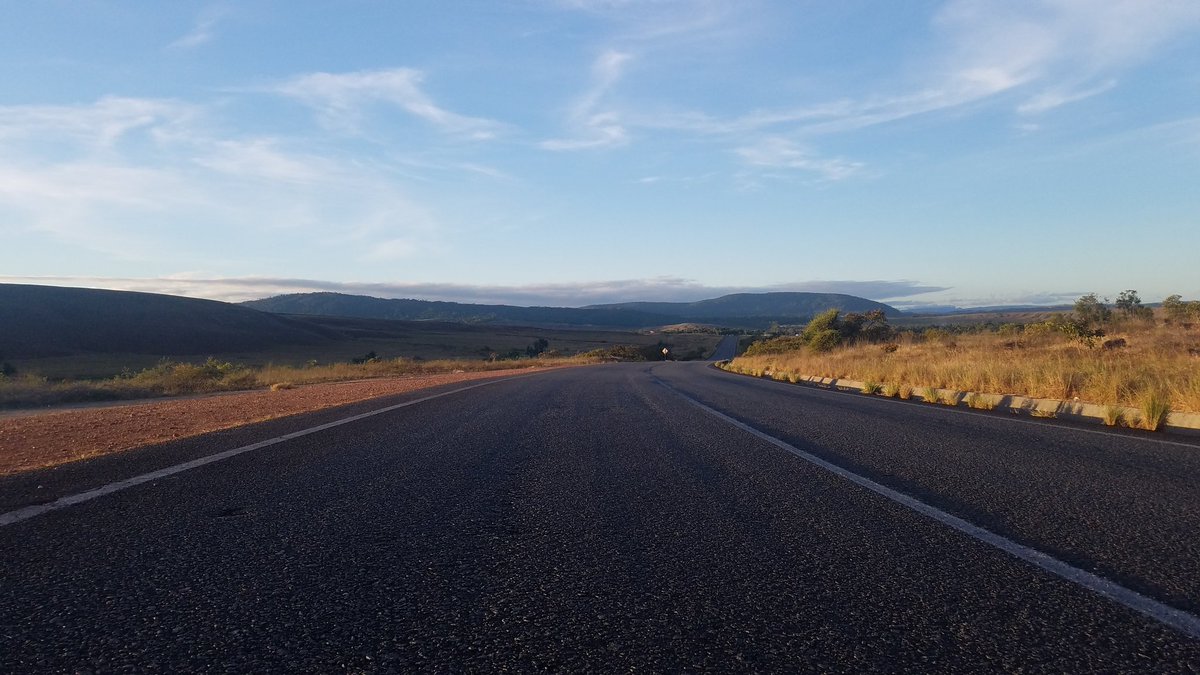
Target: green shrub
(937, 336)
(1179, 310)
(779, 345)
(1077, 328)
(825, 340)
(1091, 311)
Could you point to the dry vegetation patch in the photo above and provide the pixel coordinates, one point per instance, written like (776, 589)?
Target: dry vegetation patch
(1143, 367)
(170, 378)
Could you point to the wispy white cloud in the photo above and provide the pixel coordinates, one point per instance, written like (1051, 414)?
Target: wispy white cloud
(676, 179)
(1054, 98)
(1068, 50)
(596, 128)
(1059, 45)
(264, 159)
(781, 153)
(126, 178)
(651, 23)
(97, 125)
(658, 289)
(202, 32)
(341, 99)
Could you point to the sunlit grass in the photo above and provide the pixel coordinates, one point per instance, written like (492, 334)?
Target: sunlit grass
(175, 379)
(1154, 360)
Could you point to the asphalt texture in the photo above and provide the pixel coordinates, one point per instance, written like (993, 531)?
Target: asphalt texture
(595, 520)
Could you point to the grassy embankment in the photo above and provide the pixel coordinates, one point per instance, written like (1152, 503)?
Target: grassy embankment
(1157, 366)
(82, 373)
(175, 379)
(182, 377)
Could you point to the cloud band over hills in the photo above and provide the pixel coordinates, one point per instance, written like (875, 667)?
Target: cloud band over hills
(575, 294)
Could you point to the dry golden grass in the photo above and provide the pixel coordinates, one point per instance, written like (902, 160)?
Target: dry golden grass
(1155, 361)
(175, 379)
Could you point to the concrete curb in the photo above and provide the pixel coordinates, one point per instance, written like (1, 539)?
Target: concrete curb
(1176, 423)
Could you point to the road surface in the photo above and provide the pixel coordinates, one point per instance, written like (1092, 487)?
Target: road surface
(647, 516)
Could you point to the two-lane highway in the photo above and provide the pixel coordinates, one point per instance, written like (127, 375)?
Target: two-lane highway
(599, 519)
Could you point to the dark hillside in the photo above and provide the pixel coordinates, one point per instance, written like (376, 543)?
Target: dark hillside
(743, 310)
(366, 307)
(39, 321)
(763, 305)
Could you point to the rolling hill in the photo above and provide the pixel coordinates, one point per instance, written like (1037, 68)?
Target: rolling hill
(50, 321)
(778, 306)
(41, 321)
(747, 310)
(366, 307)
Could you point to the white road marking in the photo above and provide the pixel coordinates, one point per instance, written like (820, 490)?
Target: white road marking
(1184, 622)
(71, 500)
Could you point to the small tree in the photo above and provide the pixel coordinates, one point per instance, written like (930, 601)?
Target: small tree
(1077, 328)
(1128, 301)
(537, 347)
(1091, 311)
(1175, 308)
(1179, 310)
(875, 327)
(1131, 306)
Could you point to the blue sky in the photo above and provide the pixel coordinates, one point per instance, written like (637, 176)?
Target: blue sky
(964, 152)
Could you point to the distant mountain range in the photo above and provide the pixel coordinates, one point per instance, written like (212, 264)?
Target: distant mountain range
(744, 310)
(947, 310)
(38, 321)
(778, 305)
(45, 321)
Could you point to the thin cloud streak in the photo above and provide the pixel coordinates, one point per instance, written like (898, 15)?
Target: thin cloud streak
(98, 125)
(128, 175)
(1051, 99)
(203, 32)
(987, 48)
(595, 128)
(341, 100)
(664, 289)
(782, 153)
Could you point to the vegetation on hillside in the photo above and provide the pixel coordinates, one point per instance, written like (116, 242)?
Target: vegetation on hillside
(1119, 355)
(48, 321)
(171, 378)
(367, 307)
(755, 310)
(828, 330)
(174, 378)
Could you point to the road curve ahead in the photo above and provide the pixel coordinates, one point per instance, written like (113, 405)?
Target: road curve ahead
(619, 517)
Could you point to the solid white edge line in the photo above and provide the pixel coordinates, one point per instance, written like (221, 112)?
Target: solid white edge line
(70, 500)
(1184, 622)
(1045, 424)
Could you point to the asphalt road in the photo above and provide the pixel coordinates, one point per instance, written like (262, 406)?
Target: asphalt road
(597, 519)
